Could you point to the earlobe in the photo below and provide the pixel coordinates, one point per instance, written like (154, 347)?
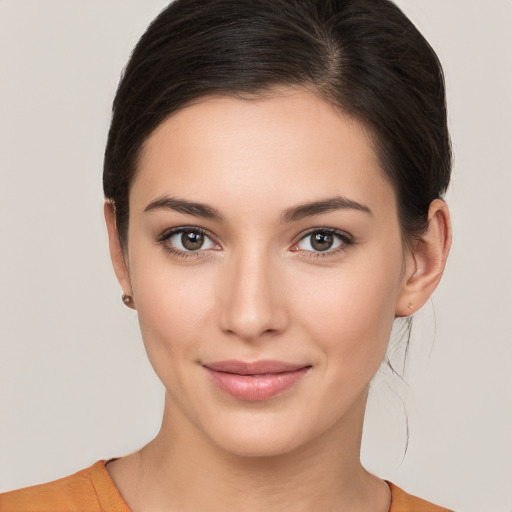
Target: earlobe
(427, 260)
(116, 251)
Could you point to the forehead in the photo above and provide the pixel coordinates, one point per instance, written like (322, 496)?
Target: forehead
(285, 148)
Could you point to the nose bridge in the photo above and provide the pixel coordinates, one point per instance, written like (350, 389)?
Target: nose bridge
(252, 303)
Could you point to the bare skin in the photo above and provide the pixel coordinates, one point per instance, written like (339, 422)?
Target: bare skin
(267, 279)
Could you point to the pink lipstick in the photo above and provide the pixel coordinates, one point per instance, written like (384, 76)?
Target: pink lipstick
(259, 380)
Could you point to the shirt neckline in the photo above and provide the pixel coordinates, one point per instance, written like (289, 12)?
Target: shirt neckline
(116, 497)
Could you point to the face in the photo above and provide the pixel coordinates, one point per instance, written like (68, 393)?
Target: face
(265, 259)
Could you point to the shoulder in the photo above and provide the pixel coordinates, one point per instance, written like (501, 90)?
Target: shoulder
(89, 490)
(403, 502)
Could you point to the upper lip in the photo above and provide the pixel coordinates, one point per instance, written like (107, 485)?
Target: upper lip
(255, 367)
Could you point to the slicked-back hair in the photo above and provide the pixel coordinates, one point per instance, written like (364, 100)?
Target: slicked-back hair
(363, 56)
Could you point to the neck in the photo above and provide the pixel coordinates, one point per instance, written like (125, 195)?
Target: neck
(184, 468)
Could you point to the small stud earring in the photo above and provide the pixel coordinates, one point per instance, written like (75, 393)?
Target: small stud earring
(127, 300)
(411, 305)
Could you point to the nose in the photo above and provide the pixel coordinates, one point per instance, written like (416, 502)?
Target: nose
(252, 297)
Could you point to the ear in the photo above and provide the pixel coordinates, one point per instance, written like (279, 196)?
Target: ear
(426, 260)
(116, 251)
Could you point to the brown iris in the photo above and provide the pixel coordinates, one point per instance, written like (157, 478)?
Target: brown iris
(322, 241)
(192, 240)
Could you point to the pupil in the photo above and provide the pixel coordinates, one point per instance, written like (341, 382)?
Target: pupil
(322, 241)
(192, 241)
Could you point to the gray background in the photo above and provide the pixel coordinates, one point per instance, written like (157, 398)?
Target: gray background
(75, 385)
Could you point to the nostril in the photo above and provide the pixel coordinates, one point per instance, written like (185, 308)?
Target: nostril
(251, 322)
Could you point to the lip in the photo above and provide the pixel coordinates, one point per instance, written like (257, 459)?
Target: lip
(255, 381)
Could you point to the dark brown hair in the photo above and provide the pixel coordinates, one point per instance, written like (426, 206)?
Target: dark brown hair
(363, 56)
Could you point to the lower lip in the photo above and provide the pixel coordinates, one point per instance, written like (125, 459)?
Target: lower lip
(256, 387)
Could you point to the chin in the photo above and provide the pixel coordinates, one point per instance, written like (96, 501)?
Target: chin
(257, 435)
(257, 446)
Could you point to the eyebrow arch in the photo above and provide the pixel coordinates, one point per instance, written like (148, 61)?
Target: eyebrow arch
(289, 215)
(184, 206)
(323, 206)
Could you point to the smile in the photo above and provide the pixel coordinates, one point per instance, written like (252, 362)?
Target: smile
(255, 381)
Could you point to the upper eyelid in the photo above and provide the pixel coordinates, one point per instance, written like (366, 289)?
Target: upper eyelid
(166, 234)
(324, 229)
(164, 240)
(180, 229)
(339, 232)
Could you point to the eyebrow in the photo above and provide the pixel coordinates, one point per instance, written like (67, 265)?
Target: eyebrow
(323, 206)
(289, 215)
(184, 206)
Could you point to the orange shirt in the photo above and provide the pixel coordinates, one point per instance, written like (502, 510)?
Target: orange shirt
(92, 490)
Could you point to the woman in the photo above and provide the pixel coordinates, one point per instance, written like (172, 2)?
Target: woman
(273, 176)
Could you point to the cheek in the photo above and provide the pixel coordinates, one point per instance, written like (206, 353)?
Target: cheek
(353, 312)
(173, 305)
(344, 313)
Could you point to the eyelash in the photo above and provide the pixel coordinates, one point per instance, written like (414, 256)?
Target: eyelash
(164, 238)
(345, 239)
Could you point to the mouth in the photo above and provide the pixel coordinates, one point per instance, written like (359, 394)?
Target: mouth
(255, 381)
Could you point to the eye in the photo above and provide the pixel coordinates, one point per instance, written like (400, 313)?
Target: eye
(185, 240)
(323, 241)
